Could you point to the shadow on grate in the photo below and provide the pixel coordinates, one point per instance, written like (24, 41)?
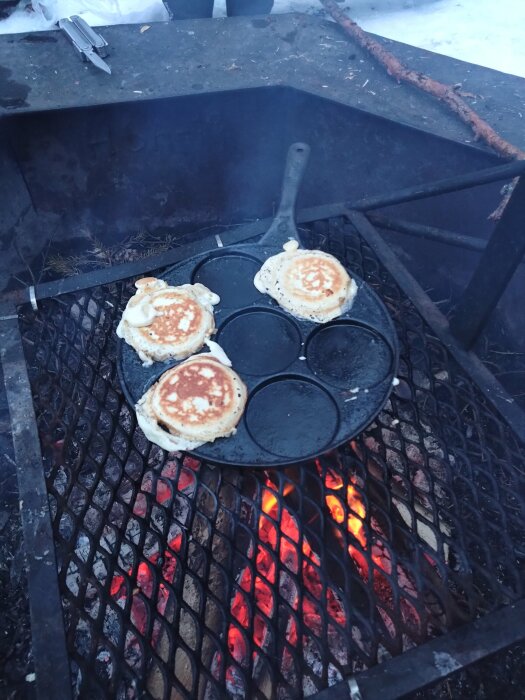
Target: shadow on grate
(183, 579)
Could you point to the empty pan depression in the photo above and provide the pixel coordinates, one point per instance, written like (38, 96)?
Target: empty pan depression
(260, 341)
(349, 355)
(311, 386)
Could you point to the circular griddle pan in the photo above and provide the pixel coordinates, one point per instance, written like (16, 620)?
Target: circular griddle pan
(310, 386)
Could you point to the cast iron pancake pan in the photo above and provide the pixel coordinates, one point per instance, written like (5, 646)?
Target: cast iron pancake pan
(311, 386)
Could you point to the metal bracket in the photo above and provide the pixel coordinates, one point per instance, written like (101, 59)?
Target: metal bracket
(47, 624)
(484, 379)
(353, 688)
(32, 298)
(435, 660)
(503, 254)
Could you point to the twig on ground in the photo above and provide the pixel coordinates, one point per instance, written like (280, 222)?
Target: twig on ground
(23, 261)
(446, 93)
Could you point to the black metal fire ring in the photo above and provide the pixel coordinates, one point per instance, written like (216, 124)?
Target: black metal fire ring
(434, 485)
(147, 542)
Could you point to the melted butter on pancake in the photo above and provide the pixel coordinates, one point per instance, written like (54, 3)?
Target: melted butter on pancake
(176, 315)
(309, 284)
(162, 322)
(218, 353)
(149, 283)
(291, 246)
(142, 313)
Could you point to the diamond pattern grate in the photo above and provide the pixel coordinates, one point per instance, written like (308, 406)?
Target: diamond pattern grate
(184, 579)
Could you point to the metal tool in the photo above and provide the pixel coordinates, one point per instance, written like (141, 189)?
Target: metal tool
(86, 41)
(97, 40)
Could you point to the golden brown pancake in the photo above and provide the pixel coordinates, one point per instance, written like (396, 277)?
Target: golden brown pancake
(198, 401)
(309, 284)
(162, 322)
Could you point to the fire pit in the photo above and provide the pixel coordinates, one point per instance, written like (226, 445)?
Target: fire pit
(180, 578)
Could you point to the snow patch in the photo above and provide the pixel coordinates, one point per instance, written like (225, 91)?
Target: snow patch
(484, 32)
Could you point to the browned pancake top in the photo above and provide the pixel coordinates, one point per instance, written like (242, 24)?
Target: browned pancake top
(181, 319)
(196, 392)
(313, 277)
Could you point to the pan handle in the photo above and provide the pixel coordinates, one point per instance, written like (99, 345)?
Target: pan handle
(283, 226)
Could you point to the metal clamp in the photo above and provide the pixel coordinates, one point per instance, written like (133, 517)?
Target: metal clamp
(353, 689)
(32, 298)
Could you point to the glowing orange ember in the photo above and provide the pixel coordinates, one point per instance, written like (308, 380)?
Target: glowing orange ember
(332, 480)
(145, 581)
(280, 543)
(356, 514)
(336, 508)
(356, 524)
(283, 551)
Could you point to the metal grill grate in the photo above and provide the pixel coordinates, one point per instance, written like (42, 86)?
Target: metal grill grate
(180, 578)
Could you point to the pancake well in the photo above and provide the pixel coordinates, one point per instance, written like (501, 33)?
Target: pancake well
(309, 284)
(162, 322)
